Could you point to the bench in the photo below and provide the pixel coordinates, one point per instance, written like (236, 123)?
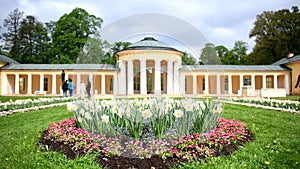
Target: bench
(37, 92)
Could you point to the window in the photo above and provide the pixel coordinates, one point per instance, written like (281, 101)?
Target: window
(45, 84)
(185, 84)
(136, 83)
(22, 84)
(226, 84)
(269, 82)
(247, 81)
(111, 84)
(203, 84)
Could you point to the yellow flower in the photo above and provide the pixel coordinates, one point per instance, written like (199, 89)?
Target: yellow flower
(267, 162)
(146, 114)
(178, 113)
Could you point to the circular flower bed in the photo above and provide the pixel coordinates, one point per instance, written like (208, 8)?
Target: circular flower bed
(114, 152)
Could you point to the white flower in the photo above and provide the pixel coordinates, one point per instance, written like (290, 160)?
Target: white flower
(202, 105)
(146, 114)
(178, 113)
(87, 115)
(115, 109)
(105, 118)
(70, 106)
(79, 119)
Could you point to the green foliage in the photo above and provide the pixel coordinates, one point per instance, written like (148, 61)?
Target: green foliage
(11, 38)
(71, 34)
(188, 59)
(110, 57)
(235, 56)
(209, 55)
(33, 41)
(276, 34)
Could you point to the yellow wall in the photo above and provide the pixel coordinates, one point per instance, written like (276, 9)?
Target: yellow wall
(295, 72)
(212, 84)
(189, 84)
(235, 84)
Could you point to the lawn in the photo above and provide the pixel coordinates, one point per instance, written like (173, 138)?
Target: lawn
(276, 145)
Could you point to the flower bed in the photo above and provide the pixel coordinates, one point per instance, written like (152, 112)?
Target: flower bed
(282, 105)
(24, 105)
(118, 153)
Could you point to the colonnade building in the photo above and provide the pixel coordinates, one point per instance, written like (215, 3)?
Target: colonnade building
(150, 66)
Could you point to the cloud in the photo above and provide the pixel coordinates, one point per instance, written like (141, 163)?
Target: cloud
(222, 22)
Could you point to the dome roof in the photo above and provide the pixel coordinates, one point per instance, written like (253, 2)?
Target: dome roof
(149, 43)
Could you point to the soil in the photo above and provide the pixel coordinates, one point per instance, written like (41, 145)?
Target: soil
(121, 162)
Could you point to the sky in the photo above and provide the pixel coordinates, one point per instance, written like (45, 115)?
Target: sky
(185, 24)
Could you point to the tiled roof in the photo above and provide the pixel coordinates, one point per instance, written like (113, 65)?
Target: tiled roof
(233, 67)
(284, 61)
(7, 60)
(149, 43)
(61, 67)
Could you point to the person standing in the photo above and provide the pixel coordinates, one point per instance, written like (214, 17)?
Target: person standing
(71, 87)
(63, 76)
(65, 88)
(298, 85)
(88, 88)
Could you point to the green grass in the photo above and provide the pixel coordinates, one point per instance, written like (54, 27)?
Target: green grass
(277, 141)
(290, 97)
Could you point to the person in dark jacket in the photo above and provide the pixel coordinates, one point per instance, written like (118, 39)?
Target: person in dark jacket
(65, 88)
(88, 88)
(63, 76)
(298, 85)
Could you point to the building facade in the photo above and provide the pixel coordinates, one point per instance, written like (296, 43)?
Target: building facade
(152, 67)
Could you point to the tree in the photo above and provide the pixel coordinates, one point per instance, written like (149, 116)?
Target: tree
(71, 33)
(33, 41)
(11, 38)
(276, 34)
(188, 59)
(93, 51)
(209, 55)
(110, 57)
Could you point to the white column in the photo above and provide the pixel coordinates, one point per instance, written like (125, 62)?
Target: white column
(286, 84)
(264, 81)
(122, 78)
(29, 84)
(17, 79)
(229, 84)
(53, 83)
(91, 78)
(176, 81)
(218, 84)
(103, 90)
(130, 77)
(253, 82)
(170, 77)
(4, 84)
(78, 81)
(182, 84)
(41, 82)
(195, 84)
(143, 76)
(206, 85)
(157, 81)
(241, 82)
(275, 82)
(115, 91)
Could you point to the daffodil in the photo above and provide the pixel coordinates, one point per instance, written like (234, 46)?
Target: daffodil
(146, 114)
(178, 113)
(105, 118)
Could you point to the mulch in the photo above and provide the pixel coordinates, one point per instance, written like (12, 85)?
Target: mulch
(122, 162)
